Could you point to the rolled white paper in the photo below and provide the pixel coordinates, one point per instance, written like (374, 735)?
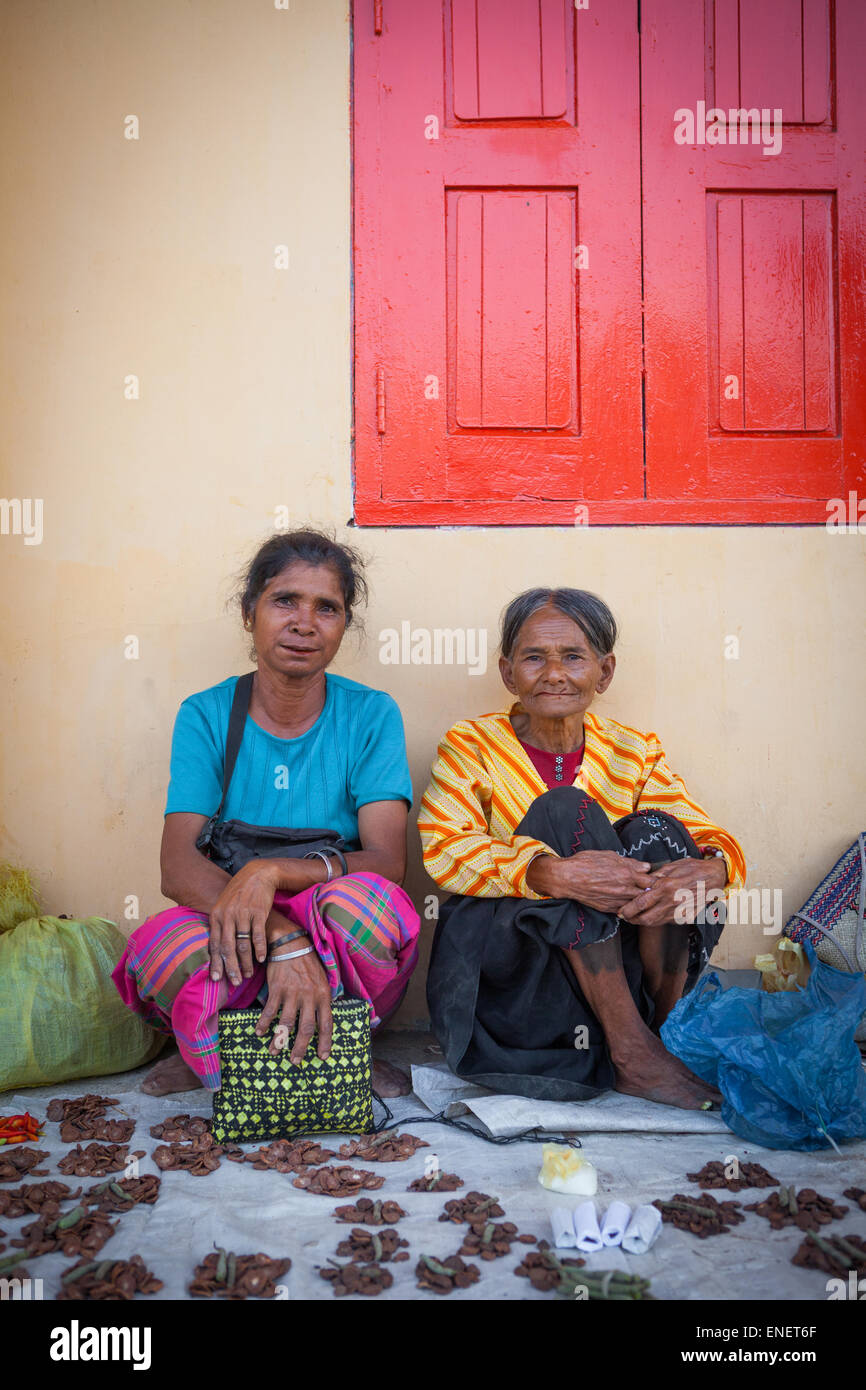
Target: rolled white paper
(562, 1221)
(642, 1230)
(615, 1223)
(586, 1227)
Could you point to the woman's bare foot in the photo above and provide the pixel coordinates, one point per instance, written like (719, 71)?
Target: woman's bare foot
(653, 1073)
(712, 1092)
(389, 1080)
(170, 1075)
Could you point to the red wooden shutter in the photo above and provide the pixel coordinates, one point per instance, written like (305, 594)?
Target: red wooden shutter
(497, 378)
(753, 262)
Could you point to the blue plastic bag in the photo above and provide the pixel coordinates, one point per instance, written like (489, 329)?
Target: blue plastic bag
(786, 1064)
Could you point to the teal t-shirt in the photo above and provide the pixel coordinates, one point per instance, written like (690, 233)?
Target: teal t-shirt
(353, 754)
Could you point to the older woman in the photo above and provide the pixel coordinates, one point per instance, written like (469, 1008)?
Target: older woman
(572, 853)
(317, 750)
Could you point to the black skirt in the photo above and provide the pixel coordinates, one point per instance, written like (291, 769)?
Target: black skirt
(504, 1002)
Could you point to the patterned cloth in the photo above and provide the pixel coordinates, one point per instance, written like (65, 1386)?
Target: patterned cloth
(483, 783)
(364, 928)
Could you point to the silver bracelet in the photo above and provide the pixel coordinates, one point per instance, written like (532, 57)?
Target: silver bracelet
(320, 854)
(292, 955)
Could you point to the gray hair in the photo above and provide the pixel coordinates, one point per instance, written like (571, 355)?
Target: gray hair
(591, 614)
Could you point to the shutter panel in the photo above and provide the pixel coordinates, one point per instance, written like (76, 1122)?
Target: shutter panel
(496, 379)
(756, 409)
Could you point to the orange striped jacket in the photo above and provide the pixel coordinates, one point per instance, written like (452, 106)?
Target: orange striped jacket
(483, 783)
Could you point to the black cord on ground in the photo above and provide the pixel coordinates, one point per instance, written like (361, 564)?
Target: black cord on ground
(526, 1136)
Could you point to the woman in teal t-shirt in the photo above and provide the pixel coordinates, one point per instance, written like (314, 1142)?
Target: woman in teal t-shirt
(317, 750)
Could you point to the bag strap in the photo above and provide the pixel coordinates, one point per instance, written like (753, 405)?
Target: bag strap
(234, 736)
(804, 917)
(526, 1136)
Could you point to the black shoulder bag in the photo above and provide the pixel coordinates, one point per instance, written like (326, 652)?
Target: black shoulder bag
(233, 843)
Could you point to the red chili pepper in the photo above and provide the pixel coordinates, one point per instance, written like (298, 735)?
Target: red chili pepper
(17, 1129)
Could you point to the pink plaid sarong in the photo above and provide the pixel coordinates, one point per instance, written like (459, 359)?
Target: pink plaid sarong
(363, 927)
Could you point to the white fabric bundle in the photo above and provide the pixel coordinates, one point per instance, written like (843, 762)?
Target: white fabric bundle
(562, 1221)
(586, 1227)
(635, 1231)
(615, 1223)
(642, 1230)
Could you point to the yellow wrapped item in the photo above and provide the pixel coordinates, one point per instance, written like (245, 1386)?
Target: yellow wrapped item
(61, 1016)
(786, 969)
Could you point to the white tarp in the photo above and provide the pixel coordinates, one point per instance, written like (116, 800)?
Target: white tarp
(247, 1210)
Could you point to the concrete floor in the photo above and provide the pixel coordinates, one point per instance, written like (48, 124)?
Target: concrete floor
(248, 1210)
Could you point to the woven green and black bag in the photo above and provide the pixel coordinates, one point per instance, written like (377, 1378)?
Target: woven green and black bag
(265, 1097)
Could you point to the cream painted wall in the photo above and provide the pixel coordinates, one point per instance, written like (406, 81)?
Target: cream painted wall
(155, 257)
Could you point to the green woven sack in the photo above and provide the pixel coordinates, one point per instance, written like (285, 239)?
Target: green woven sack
(61, 1016)
(265, 1097)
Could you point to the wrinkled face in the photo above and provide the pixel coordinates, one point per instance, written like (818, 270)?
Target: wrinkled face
(553, 670)
(299, 620)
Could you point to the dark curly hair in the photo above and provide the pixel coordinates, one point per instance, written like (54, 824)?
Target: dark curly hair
(311, 547)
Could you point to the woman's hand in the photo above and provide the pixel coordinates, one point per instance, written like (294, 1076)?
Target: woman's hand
(299, 989)
(243, 906)
(662, 899)
(597, 878)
